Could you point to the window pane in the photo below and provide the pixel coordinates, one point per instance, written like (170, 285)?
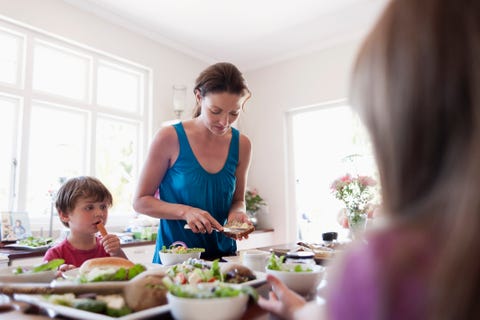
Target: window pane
(8, 126)
(9, 54)
(340, 146)
(57, 149)
(116, 160)
(60, 72)
(118, 88)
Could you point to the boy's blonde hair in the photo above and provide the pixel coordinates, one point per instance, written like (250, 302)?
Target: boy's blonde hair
(83, 187)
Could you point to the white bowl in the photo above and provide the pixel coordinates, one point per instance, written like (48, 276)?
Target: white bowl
(228, 308)
(168, 258)
(301, 282)
(8, 275)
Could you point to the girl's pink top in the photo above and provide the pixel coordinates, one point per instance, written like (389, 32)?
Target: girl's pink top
(384, 279)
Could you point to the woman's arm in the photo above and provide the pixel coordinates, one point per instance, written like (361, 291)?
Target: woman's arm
(237, 210)
(162, 154)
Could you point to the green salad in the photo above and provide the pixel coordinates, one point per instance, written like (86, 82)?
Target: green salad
(278, 264)
(180, 249)
(50, 265)
(200, 291)
(35, 242)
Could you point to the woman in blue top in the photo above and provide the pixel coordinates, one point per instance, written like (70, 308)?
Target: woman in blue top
(199, 167)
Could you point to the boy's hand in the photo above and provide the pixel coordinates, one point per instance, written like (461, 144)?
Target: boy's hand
(111, 244)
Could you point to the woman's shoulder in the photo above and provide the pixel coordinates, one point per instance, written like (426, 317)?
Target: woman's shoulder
(166, 136)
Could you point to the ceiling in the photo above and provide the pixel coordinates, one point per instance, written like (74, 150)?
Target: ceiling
(248, 33)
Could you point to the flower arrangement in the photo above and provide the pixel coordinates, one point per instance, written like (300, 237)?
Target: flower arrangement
(356, 192)
(253, 200)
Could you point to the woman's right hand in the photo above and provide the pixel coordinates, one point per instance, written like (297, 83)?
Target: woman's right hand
(200, 221)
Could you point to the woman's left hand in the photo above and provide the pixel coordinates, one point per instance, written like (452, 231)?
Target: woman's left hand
(239, 216)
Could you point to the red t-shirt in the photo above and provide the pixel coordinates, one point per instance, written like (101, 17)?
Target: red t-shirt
(71, 255)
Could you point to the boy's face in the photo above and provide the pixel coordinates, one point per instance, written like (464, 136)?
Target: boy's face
(85, 216)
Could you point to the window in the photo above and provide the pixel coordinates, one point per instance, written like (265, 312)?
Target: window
(10, 57)
(10, 111)
(338, 146)
(83, 113)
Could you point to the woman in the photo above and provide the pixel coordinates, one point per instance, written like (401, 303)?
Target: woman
(416, 86)
(200, 168)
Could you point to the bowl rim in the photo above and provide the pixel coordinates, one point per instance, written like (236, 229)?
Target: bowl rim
(316, 269)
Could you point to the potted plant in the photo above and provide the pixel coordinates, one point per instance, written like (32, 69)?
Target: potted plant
(253, 202)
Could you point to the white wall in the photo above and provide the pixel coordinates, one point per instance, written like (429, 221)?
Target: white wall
(169, 66)
(304, 81)
(317, 78)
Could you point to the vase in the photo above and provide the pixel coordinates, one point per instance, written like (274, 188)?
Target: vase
(252, 216)
(357, 223)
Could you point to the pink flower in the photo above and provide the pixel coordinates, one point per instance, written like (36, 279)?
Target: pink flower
(366, 181)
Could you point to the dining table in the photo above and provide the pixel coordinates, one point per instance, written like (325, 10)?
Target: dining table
(20, 310)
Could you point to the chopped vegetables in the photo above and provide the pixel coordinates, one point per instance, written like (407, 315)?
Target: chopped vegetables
(181, 249)
(209, 292)
(35, 242)
(277, 263)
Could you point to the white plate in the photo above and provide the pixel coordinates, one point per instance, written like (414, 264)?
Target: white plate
(25, 247)
(38, 300)
(7, 275)
(233, 259)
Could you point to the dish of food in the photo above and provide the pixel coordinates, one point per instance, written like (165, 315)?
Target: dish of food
(41, 301)
(194, 302)
(194, 271)
(105, 269)
(31, 244)
(44, 272)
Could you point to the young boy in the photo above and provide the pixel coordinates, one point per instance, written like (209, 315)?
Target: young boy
(82, 203)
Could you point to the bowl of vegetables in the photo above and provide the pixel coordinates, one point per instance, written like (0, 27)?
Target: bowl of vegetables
(178, 252)
(301, 278)
(212, 301)
(42, 273)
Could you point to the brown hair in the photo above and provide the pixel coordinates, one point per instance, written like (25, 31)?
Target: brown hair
(217, 78)
(416, 85)
(80, 188)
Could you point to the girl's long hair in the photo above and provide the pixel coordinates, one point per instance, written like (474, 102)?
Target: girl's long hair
(416, 85)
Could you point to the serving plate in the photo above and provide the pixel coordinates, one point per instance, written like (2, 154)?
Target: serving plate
(39, 301)
(17, 246)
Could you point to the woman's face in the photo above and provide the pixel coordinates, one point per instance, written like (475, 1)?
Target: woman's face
(219, 111)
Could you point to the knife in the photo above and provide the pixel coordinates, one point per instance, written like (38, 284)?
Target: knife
(41, 288)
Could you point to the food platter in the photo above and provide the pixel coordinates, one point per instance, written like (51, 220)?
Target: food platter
(39, 301)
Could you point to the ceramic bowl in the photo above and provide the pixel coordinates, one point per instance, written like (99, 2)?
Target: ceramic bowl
(8, 275)
(227, 308)
(304, 282)
(168, 258)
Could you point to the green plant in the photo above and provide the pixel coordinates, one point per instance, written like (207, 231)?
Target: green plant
(253, 200)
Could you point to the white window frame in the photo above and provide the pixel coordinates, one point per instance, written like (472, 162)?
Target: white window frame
(23, 91)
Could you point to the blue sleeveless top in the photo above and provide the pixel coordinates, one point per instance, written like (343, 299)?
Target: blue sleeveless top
(187, 182)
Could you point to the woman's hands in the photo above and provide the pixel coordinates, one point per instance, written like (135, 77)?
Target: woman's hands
(282, 301)
(236, 217)
(200, 221)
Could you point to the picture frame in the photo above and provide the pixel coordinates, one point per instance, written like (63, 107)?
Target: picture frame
(15, 225)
